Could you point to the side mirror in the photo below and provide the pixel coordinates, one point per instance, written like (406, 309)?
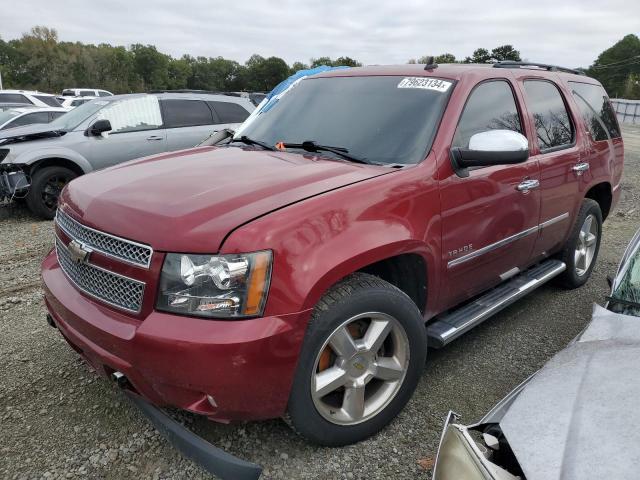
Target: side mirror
(99, 127)
(493, 147)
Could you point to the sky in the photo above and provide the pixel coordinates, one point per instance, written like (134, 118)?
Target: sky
(569, 32)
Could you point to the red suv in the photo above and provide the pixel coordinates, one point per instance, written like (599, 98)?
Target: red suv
(301, 269)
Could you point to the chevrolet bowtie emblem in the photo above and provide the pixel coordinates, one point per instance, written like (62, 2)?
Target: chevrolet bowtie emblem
(79, 252)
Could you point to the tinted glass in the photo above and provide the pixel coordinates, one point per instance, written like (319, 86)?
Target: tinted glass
(68, 93)
(551, 119)
(54, 115)
(30, 118)
(131, 115)
(14, 98)
(596, 110)
(87, 93)
(7, 115)
(51, 101)
(491, 106)
(229, 112)
(628, 287)
(383, 119)
(102, 93)
(185, 113)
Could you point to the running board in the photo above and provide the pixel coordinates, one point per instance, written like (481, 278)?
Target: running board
(447, 327)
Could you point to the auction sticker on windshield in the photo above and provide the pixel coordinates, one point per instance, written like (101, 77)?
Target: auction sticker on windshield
(425, 83)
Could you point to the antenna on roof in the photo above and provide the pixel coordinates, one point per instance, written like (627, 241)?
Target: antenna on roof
(431, 64)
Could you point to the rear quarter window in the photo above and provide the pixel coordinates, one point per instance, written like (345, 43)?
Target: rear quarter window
(597, 112)
(229, 112)
(14, 98)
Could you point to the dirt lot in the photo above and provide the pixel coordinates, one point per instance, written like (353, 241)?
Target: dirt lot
(59, 420)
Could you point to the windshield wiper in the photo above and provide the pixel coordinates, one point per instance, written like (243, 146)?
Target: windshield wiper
(250, 141)
(311, 146)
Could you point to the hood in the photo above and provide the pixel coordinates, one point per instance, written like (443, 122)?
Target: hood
(189, 201)
(28, 132)
(578, 417)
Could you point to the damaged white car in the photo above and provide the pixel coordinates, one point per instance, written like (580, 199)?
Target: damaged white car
(573, 419)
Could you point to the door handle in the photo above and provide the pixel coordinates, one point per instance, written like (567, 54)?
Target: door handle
(580, 168)
(155, 137)
(527, 185)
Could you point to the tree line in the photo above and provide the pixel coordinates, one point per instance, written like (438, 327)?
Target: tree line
(39, 61)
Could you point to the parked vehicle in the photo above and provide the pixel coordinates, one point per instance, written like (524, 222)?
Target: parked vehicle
(85, 92)
(547, 428)
(301, 269)
(28, 97)
(21, 116)
(73, 102)
(38, 160)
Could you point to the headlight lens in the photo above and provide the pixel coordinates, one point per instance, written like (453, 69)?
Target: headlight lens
(215, 286)
(456, 458)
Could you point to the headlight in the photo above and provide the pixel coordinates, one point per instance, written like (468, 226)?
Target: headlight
(215, 286)
(457, 458)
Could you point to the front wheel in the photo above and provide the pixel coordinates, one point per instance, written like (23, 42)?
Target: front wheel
(361, 360)
(581, 250)
(46, 185)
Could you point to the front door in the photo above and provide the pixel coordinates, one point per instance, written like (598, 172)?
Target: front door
(137, 131)
(489, 221)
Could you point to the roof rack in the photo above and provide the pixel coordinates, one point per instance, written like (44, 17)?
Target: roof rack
(187, 90)
(544, 66)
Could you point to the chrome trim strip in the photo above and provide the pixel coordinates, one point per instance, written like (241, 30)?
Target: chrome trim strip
(506, 241)
(99, 232)
(60, 243)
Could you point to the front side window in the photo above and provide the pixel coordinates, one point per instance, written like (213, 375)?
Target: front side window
(133, 114)
(379, 119)
(185, 113)
(596, 110)
(551, 118)
(491, 106)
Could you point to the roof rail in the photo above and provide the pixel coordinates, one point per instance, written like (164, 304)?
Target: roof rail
(544, 66)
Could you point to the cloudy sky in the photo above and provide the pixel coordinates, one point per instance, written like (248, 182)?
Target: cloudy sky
(569, 32)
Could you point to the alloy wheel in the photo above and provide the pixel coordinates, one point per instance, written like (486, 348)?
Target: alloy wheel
(586, 245)
(360, 368)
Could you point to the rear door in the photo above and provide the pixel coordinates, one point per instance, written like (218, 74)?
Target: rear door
(558, 153)
(187, 122)
(489, 223)
(137, 131)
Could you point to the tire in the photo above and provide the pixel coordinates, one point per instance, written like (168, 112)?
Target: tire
(370, 305)
(577, 272)
(46, 185)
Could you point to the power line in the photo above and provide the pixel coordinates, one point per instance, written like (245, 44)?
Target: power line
(613, 64)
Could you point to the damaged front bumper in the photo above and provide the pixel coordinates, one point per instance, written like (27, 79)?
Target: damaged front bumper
(14, 182)
(212, 459)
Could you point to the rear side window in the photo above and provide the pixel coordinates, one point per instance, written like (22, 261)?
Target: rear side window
(229, 112)
(14, 98)
(102, 93)
(51, 101)
(30, 118)
(596, 110)
(491, 106)
(550, 116)
(185, 113)
(87, 93)
(54, 115)
(68, 93)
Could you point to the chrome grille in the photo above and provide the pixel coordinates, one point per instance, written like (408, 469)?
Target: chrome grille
(111, 288)
(120, 248)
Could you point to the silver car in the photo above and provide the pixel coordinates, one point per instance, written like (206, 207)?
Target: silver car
(574, 419)
(37, 161)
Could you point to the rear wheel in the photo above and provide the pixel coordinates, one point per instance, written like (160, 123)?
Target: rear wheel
(361, 360)
(581, 250)
(46, 185)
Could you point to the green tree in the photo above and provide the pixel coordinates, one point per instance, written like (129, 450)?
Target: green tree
(265, 73)
(481, 55)
(297, 66)
(316, 62)
(618, 68)
(345, 61)
(151, 65)
(505, 52)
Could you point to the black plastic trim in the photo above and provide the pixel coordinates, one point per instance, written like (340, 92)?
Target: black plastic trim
(212, 459)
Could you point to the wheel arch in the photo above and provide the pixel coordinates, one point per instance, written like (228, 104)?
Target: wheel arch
(601, 193)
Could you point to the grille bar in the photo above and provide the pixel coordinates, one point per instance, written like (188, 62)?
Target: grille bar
(116, 290)
(116, 247)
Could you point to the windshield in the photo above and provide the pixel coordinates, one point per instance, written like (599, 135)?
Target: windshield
(390, 119)
(75, 117)
(7, 115)
(627, 286)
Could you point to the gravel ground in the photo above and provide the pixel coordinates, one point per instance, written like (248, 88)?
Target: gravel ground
(60, 420)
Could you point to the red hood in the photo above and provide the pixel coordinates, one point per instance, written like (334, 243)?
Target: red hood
(189, 201)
